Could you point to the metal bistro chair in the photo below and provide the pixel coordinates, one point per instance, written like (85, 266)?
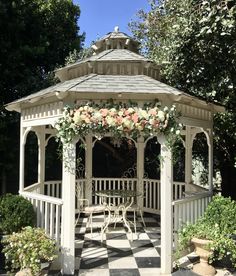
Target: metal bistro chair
(135, 208)
(83, 206)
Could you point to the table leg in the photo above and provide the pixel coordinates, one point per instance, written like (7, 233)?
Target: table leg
(124, 214)
(106, 224)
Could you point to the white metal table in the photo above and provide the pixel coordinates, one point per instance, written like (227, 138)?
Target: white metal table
(117, 213)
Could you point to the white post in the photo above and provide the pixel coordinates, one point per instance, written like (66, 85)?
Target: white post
(88, 167)
(140, 169)
(188, 157)
(41, 157)
(68, 209)
(22, 159)
(209, 136)
(166, 208)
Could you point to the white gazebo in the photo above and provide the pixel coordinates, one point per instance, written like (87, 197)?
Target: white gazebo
(116, 71)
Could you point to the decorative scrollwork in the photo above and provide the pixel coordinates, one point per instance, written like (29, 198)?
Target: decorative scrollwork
(132, 173)
(80, 171)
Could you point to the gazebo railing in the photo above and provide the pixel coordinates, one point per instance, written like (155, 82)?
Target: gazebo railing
(189, 209)
(53, 188)
(48, 210)
(178, 190)
(151, 190)
(152, 194)
(99, 184)
(34, 188)
(48, 207)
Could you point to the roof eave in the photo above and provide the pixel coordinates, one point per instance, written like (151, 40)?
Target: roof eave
(13, 107)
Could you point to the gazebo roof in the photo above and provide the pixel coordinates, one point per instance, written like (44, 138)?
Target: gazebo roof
(94, 83)
(115, 68)
(111, 55)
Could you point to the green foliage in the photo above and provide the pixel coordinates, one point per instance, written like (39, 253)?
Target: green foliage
(36, 37)
(28, 249)
(217, 224)
(195, 43)
(76, 55)
(222, 211)
(15, 212)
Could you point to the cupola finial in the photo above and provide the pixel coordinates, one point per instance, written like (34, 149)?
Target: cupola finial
(116, 29)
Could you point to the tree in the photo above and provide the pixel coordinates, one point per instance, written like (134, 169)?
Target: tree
(195, 42)
(36, 36)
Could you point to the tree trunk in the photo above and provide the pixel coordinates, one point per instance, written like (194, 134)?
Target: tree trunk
(3, 182)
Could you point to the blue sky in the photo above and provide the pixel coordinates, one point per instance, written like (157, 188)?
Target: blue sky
(98, 17)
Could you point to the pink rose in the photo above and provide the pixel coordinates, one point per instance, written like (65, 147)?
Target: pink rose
(135, 118)
(104, 112)
(152, 112)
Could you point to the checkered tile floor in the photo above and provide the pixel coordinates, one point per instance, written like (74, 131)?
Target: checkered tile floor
(117, 255)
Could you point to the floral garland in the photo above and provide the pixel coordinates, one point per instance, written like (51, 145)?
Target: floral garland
(121, 120)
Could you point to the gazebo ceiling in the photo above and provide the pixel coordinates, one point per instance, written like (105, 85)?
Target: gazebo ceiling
(114, 69)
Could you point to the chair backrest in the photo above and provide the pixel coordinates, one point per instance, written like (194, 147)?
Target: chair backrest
(78, 196)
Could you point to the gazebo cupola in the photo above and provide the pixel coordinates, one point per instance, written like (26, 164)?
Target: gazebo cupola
(114, 54)
(115, 40)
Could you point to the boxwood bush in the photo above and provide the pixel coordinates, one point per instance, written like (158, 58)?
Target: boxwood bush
(16, 212)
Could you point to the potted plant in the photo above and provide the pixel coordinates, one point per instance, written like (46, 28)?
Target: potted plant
(29, 249)
(214, 231)
(15, 212)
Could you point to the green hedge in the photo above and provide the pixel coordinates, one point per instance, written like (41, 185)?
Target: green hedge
(15, 212)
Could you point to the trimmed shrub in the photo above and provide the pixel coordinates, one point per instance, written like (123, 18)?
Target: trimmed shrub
(16, 212)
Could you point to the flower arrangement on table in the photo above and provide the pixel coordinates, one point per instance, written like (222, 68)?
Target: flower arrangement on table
(121, 120)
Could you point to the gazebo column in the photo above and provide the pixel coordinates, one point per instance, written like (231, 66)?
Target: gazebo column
(41, 157)
(140, 169)
(68, 209)
(22, 159)
(88, 167)
(209, 136)
(166, 207)
(188, 158)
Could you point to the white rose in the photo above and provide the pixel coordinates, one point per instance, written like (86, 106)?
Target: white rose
(144, 114)
(83, 117)
(110, 121)
(166, 109)
(161, 115)
(127, 123)
(139, 126)
(97, 116)
(77, 118)
(130, 110)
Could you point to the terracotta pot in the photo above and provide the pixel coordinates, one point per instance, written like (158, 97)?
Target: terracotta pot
(203, 268)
